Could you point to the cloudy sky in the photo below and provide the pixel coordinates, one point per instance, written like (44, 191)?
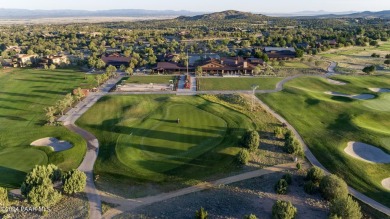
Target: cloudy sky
(270, 6)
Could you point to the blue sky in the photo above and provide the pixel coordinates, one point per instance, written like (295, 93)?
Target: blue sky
(205, 5)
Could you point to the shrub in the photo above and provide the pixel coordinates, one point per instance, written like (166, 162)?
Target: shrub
(315, 174)
(279, 132)
(74, 181)
(251, 140)
(333, 187)
(243, 156)
(387, 56)
(292, 146)
(387, 62)
(298, 166)
(288, 134)
(3, 197)
(310, 187)
(43, 195)
(345, 208)
(281, 187)
(39, 175)
(283, 210)
(201, 214)
(288, 178)
(251, 216)
(369, 69)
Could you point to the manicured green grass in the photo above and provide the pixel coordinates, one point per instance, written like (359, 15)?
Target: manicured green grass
(140, 141)
(327, 123)
(23, 95)
(149, 79)
(264, 83)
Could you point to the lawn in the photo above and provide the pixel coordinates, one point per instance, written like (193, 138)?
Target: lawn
(241, 83)
(141, 144)
(23, 95)
(149, 79)
(327, 123)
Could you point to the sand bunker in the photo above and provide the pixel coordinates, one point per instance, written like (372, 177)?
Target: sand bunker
(366, 152)
(386, 183)
(354, 96)
(380, 90)
(54, 143)
(336, 82)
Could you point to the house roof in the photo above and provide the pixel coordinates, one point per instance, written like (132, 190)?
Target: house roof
(279, 49)
(169, 66)
(115, 59)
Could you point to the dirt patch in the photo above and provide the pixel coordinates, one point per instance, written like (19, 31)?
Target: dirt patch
(386, 183)
(253, 196)
(366, 152)
(380, 90)
(353, 96)
(336, 82)
(54, 143)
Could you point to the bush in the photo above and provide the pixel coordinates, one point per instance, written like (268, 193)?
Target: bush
(3, 197)
(251, 216)
(375, 55)
(292, 146)
(243, 156)
(251, 140)
(288, 134)
(279, 132)
(43, 195)
(315, 174)
(40, 175)
(387, 62)
(310, 187)
(288, 178)
(298, 166)
(387, 56)
(74, 181)
(281, 187)
(201, 214)
(283, 210)
(369, 69)
(333, 187)
(345, 208)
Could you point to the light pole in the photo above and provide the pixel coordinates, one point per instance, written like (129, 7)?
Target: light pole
(254, 87)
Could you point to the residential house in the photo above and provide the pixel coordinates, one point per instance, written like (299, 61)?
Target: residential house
(23, 60)
(280, 53)
(54, 59)
(116, 60)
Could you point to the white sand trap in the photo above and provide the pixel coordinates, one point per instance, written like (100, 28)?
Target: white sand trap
(54, 143)
(380, 90)
(336, 82)
(386, 183)
(354, 96)
(366, 152)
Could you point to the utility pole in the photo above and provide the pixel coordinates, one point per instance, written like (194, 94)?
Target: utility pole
(254, 87)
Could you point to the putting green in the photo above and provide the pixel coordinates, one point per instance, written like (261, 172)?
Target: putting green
(381, 104)
(373, 122)
(16, 162)
(171, 144)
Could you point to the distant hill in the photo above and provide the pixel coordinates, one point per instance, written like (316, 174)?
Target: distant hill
(364, 14)
(31, 14)
(224, 15)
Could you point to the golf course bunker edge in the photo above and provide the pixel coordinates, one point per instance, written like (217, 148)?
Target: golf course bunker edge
(54, 143)
(386, 183)
(366, 152)
(353, 96)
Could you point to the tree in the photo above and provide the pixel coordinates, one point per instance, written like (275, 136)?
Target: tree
(283, 210)
(299, 53)
(315, 174)
(50, 117)
(38, 176)
(61, 106)
(257, 70)
(110, 69)
(129, 71)
(281, 187)
(369, 69)
(387, 62)
(52, 67)
(74, 181)
(251, 216)
(43, 195)
(292, 146)
(288, 178)
(201, 214)
(199, 71)
(3, 197)
(345, 208)
(243, 156)
(122, 67)
(333, 187)
(251, 140)
(68, 99)
(309, 187)
(79, 94)
(100, 64)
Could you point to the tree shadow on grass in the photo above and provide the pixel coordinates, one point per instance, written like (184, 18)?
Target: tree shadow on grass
(342, 99)
(49, 92)
(21, 94)
(11, 177)
(14, 118)
(342, 123)
(312, 101)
